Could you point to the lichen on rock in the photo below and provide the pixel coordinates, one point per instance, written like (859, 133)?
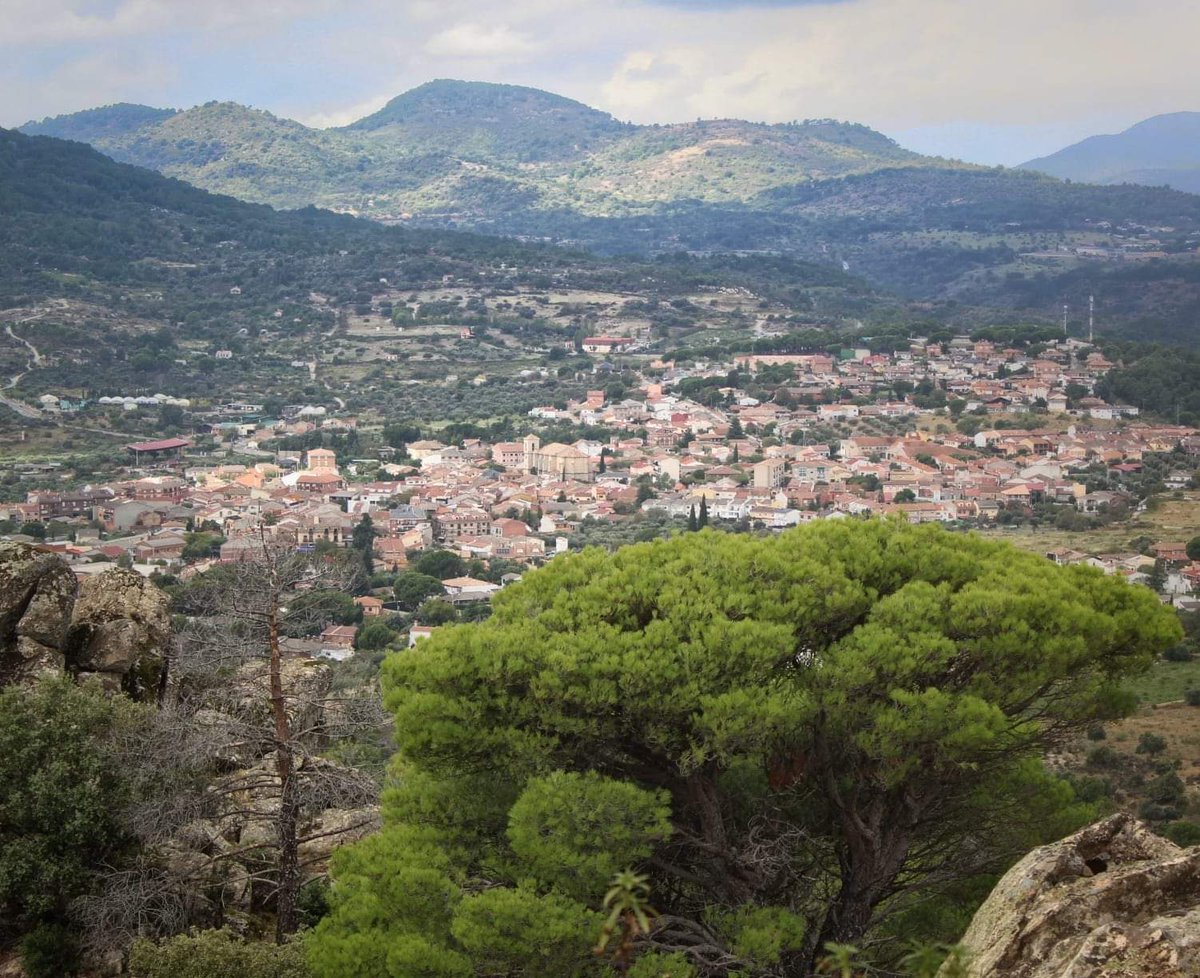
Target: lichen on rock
(1112, 899)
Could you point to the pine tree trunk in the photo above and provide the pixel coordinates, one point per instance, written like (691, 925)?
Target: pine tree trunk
(287, 821)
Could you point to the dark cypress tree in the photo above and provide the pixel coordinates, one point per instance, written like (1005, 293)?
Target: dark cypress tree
(703, 521)
(692, 524)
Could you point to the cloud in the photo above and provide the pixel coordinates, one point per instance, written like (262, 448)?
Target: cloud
(470, 40)
(995, 75)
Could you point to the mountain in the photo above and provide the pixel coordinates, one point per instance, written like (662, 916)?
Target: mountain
(522, 163)
(1161, 151)
(503, 122)
(109, 122)
(471, 150)
(126, 280)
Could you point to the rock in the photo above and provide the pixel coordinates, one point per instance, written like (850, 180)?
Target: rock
(1112, 899)
(120, 626)
(115, 628)
(37, 591)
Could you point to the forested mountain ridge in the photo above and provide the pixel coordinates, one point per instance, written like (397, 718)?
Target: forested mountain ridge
(1162, 150)
(467, 147)
(127, 278)
(513, 161)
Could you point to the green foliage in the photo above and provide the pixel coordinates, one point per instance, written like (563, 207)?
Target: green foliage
(575, 831)
(373, 636)
(50, 951)
(1151, 743)
(1182, 833)
(518, 931)
(435, 611)
(440, 564)
(798, 685)
(61, 792)
(211, 953)
(411, 588)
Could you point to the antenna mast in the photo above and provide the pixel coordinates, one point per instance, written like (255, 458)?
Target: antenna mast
(1065, 308)
(1091, 318)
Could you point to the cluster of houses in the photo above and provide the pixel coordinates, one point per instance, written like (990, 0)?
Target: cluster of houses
(755, 463)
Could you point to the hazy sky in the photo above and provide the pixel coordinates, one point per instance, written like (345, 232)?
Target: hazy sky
(993, 81)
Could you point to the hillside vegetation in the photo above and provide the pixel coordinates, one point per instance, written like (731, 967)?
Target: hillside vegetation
(516, 161)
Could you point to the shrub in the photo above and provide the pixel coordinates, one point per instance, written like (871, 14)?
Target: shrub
(216, 952)
(1151, 811)
(1178, 653)
(1183, 833)
(1150, 743)
(50, 951)
(1103, 757)
(1096, 733)
(1193, 697)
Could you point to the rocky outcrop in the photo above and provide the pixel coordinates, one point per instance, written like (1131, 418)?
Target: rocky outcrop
(37, 592)
(1113, 899)
(115, 627)
(119, 631)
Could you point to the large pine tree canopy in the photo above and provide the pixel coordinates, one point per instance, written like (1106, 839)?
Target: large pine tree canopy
(796, 738)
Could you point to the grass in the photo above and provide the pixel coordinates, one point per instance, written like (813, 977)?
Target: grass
(1167, 682)
(1170, 520)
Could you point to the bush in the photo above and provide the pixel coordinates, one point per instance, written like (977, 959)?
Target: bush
(216, 952)
(1090, 789)
(1193, 697)
(1152, 744)
(1096, 733)
(1183, 833)
(1178, 653)
(1103, 757)
(50, 951)
(1151, 811)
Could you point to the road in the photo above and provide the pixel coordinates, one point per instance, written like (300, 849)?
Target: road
(35, 360)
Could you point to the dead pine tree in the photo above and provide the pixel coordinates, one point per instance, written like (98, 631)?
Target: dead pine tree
(240, 704)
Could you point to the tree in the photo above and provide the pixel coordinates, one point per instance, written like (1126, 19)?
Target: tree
(436, 611)
(835, 719)
(905, 496)
(230, 663)
(1156, 580)
(441, 564)
(702, 519)
(692, 523)
(1193, 548)
(363, 540)
(412, 588)
(375, 635)
(61, 789)
(200, 545)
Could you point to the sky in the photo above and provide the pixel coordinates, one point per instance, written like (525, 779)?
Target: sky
(989, 81)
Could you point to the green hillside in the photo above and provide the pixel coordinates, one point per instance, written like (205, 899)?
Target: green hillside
(472, 149)
(519, 162)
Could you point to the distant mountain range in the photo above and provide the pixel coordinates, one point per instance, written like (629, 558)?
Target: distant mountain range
(1162, 151)
(473, 149)
(519, 162)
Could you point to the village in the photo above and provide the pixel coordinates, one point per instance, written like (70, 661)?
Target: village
(968, 433)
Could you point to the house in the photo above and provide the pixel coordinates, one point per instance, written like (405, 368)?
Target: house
(338, 637)
(769, 473)
(1172, 553)
(605, 344)
(469, 588)
(371, 607)
(418, 632)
